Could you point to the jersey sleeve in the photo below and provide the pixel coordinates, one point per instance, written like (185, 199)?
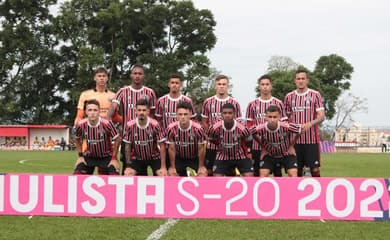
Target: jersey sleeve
(205, 109)
(318, 102)
(112, 130)
(170, 135)
(82, 99)
(238, 110)
(118, 96)
(159, 108)
(153, 99)
(127, 134)
(78, 131)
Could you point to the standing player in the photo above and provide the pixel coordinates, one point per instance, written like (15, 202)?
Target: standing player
(166, 105)
(186, 140)
(255, 116)
(101, 94)
(211, 113)
(277, 140)
(127, 98)
(229, 136)
(143, 134)
(98, 133)
(304, 106)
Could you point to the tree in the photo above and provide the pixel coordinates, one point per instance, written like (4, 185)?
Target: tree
(30, 89)
(345, 108)
(165, 36)
(47, 61)
(334, 73)
(281, 63)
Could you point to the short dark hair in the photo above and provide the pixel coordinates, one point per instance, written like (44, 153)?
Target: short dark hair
(228, 106)
(175, 75)
(273, 108)
(265, 77)
(91, 101)
(142, 102)
(300, 71)
(184, 105)
(138, 66)
(100, 70)
(220, 76)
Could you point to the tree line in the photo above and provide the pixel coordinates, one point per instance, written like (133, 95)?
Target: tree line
(46, 60)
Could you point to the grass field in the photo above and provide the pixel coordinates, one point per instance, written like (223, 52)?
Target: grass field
(333, 165)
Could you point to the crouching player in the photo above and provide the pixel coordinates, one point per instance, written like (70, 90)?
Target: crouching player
(231, 138)
(144, 134)
(98, 134)
(277, 141)
(186, 143)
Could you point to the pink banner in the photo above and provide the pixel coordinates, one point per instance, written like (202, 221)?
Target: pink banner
(209, 197)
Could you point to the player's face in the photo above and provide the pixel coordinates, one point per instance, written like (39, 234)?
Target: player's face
(265, 86)
(183, 116)
(101, 79)
(301, 80)
(228, 115)
(174, 85)
(137, 76)
(221, 86)
(92, 112)
(142, 112)
(272, 119)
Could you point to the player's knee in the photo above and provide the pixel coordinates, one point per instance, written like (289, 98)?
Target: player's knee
(111, 170)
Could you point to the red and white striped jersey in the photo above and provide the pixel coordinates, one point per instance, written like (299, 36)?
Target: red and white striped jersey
(256, 111)
(230, 143)
(276, 142)
(166, 108)
(98, 138)
(186, 141)
(212, 110)
(144, 140)
(302, 108)
(127, 98)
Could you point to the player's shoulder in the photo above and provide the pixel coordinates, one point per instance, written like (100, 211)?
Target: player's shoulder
(186, 98)
(313, 91)
(277, 100)
(153, 122)
(196, 124)
(87, 93)
(209, 99)
(172, 125)
(131, 122)
(104, 121)
(163, 98)
(82, 122)
(148, 89)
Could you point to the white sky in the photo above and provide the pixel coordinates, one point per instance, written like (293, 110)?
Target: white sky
(249, 32)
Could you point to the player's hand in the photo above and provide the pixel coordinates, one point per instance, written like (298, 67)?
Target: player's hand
(80, 160)
(129, 172)
(263, 153)
(291, 151)
(172, 171)
(202, 172)
(162, 172)
(114, 163)
(306, 126)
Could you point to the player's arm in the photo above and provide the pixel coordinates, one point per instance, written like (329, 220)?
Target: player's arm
(163, 170)
(112, 110)
(78, 144)
(205, 124)
(128, 170)
(319, 119)
(79, 116)
(172, 159)
(202, 171)
(114, 160)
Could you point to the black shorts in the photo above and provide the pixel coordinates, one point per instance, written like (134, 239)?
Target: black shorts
(308, 155)
(102, 163)
(256, 161)
(273, 163)
(141, 166)
(225, 167)
(210, 158)
(181, 165)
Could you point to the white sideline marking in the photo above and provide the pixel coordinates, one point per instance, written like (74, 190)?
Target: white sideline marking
(158, 233)
(24, 161)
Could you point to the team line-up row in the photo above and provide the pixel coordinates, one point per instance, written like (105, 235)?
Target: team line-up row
(163, 134)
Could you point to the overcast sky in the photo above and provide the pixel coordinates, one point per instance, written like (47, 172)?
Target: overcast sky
(249, 32)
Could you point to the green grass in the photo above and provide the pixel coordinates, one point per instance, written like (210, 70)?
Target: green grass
(333, 165)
